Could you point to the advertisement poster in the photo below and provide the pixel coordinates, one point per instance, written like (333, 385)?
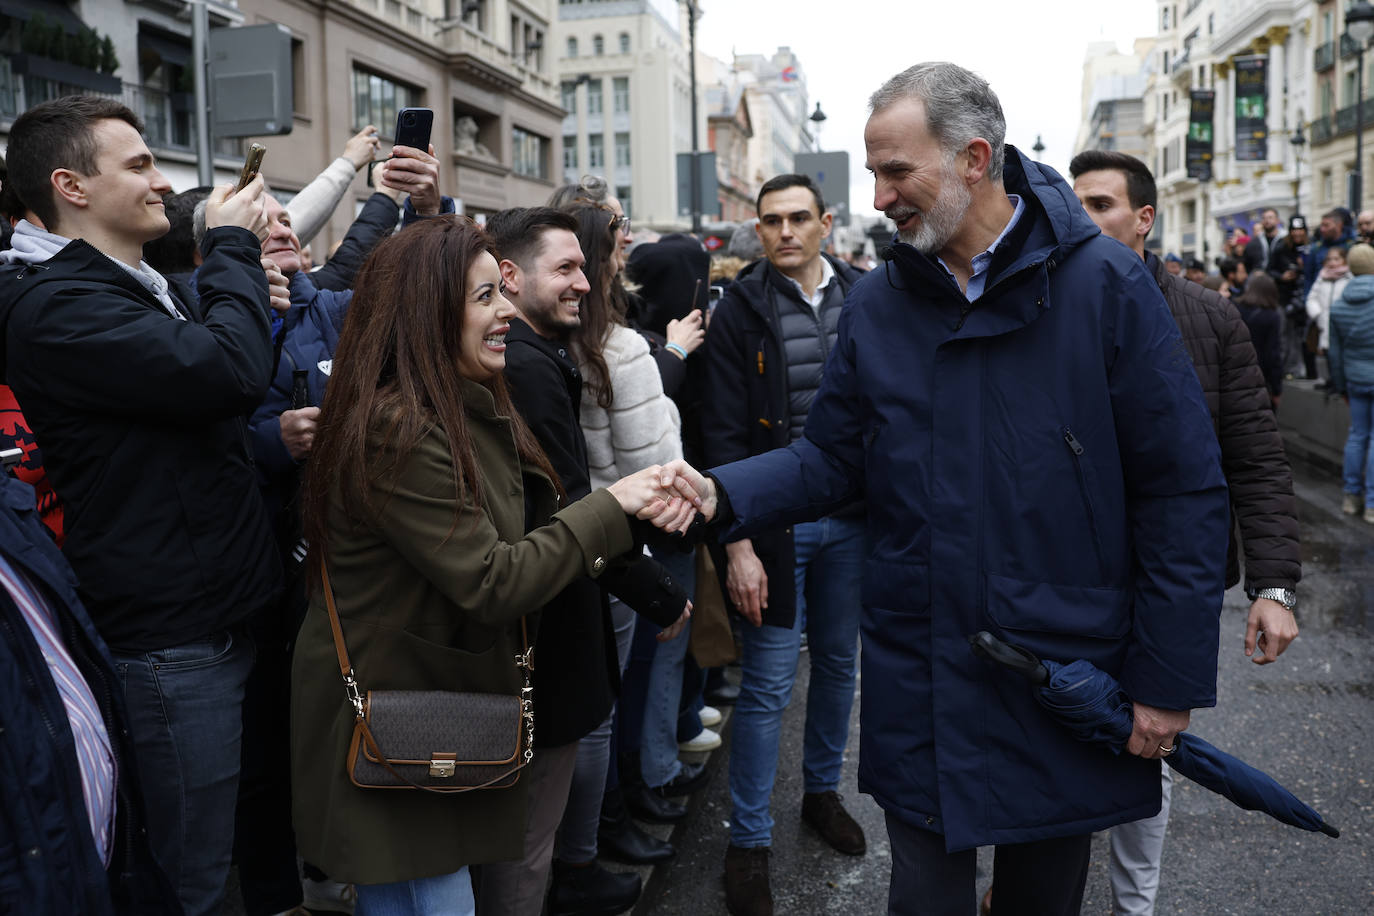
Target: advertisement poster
(1198, 151)
(1252, 95)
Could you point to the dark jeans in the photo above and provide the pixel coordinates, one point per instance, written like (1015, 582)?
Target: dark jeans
(185, 718)
(1044, 878)
(264, 843)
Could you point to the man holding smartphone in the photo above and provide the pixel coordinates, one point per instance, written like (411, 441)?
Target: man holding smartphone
(138, 399)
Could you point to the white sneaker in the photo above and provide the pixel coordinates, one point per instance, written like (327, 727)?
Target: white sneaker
(1351, 504)
(706, 741)
(330, 896)
(709, 716)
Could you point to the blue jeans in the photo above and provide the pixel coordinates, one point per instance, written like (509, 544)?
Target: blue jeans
(444, 895)
(658, 762)
(829, 574)
(1358, 473)
(185, 718)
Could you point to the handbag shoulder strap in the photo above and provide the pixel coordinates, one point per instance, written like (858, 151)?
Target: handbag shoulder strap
(524, 661)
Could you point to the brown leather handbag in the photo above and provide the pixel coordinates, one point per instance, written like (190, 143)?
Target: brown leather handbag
(439, 741)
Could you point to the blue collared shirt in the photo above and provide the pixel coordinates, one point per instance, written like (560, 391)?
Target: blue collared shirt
(983, 262)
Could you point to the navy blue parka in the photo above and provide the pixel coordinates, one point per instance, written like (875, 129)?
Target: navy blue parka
(51, 866)
(1038, 463)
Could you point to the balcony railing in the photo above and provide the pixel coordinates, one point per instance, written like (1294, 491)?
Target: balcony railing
(1349, 47)
(1322, 130)
(169, 125)
(1345, 118)
(1324, 58)
(1342, 123)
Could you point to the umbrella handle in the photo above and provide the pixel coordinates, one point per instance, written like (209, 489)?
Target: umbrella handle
(1017, 658)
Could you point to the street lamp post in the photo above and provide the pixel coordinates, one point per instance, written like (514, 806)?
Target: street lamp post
(1359, 25)
(818, 118)
(1038, 148)
(1298, 141)
(695, 183)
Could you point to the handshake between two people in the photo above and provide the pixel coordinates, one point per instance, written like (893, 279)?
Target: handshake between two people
(667, 495)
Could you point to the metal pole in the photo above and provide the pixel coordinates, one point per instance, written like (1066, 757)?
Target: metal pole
(200, 35)
(692, 65)
(1357, 178)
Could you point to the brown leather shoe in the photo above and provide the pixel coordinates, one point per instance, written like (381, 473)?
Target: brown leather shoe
(823, 811)
(747, 892)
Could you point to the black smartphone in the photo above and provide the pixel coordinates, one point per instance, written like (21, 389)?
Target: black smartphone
(412, 128)
(252, 164)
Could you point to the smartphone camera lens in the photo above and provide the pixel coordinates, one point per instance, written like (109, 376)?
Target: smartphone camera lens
(408, 120)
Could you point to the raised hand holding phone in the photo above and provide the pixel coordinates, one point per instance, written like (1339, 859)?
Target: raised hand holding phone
(245, 208)
(252, 165)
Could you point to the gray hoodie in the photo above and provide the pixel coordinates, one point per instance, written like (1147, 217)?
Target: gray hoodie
(31, 245)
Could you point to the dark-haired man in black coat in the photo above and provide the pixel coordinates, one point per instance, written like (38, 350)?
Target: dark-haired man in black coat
(1119, 194)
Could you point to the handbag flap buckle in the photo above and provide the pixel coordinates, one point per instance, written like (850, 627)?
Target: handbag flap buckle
(443, 766)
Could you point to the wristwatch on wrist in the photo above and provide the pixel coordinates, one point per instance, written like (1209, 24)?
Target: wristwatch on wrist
(1284, 596)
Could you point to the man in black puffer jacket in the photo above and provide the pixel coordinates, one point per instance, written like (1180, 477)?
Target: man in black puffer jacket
(1119, 194)
(139, 401)
(766, 348)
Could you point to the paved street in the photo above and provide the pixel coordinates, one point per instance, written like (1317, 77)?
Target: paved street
(1307, 719)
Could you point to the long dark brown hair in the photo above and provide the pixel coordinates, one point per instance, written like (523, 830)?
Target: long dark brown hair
(1261, 291)
(396, 367)
(604, 307)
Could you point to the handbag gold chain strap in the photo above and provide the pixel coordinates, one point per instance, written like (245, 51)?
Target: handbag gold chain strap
(524, 661)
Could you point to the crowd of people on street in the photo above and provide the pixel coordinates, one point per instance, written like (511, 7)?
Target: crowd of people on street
(284, 529)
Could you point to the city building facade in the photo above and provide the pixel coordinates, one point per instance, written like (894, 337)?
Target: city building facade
(484, 66)
(775, 89)
(1255, 56)
(625, 84)
(1334, 98)
(1113, 102)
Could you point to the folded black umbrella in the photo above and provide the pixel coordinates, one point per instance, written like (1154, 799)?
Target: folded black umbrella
(1092, 705)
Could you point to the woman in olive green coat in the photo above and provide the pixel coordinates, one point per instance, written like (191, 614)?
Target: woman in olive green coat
(433, 507)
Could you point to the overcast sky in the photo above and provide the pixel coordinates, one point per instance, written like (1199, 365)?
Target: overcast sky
(1031, 53)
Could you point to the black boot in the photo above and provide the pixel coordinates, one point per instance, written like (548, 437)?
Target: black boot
(652, 806)
(590, 890)
(621, 839)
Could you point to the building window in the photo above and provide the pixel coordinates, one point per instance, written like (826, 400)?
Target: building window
(570, 153)
(572, 47)
(620, 89)
(569, 92)
(1326, 99)
(471, 12)
(596, 152)
(594, 97)
(622, 194)
(298, 93)
(531, 154)
(598, 46)
(376, 100)
(622, 149)
(624, 42)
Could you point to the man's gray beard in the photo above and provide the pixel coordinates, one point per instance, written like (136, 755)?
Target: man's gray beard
(939, 224)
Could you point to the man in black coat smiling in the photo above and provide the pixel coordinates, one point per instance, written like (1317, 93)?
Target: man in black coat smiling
(139, 402)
